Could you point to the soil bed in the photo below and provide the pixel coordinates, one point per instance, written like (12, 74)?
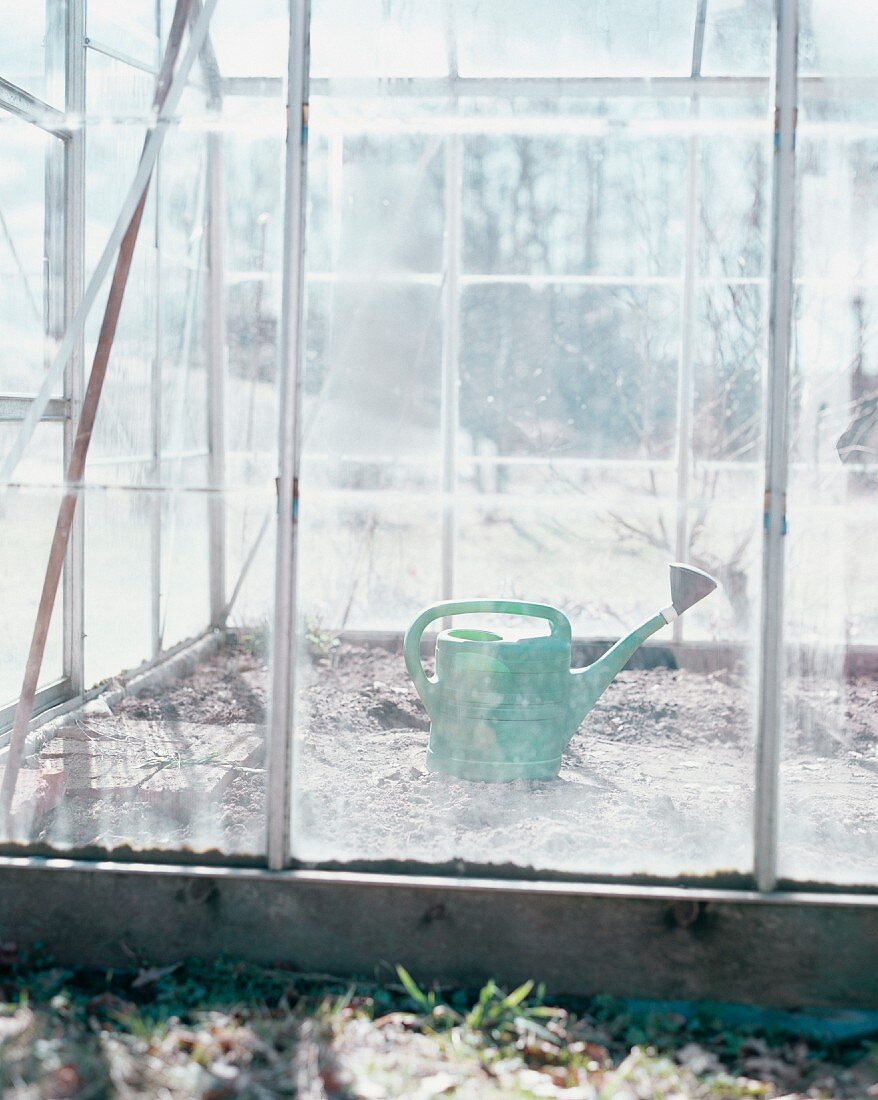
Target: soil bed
(658, 779)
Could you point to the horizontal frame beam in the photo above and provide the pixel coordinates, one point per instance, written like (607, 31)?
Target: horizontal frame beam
(14, 407)
(655, 943)
(118, 55)
(31, 109)
(46, 697)
(266, 86)
(573, 86)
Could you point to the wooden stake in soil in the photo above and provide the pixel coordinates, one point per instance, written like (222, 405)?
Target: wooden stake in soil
(76, 466)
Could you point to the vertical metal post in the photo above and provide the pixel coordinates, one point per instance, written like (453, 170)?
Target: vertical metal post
(771, 669)
(73, 204)
(216, 369)
(155, 553)
(685, 387)
(451, 345)
(336, 199)
(279, 755)
(450, 360)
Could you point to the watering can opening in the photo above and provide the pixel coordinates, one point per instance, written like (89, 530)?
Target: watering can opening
(474, 635)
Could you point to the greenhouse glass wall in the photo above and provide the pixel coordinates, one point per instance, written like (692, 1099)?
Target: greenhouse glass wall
(538, 298)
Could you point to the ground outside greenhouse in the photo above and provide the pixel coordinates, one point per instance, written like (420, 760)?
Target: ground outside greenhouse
(224, 1030)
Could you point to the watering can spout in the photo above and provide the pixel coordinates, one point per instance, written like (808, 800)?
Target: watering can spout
(688, 586)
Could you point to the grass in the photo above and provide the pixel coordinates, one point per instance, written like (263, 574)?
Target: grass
(227, 1029)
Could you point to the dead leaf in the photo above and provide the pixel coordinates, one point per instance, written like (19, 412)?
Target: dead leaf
(65, 1082)
(593, 1051)
(150, 974)
(698, 1060)
(767, 1068)
(11, 1027)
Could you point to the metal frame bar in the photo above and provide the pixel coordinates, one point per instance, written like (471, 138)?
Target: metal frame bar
(14, 407)
(450, 381)
(771, 669)
(545, 87)
(155, 525)
(215, 318)
(552, 87)
(685, 387)
(208, 62)
(216, 367)
(117, 55)
(31, 109)
(73, 596)
(263, 86)
(279, 754)
(467, 278)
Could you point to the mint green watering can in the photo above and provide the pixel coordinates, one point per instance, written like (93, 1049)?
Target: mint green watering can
(504, 708)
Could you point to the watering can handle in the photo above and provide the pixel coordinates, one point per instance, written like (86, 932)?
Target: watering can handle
(426, 686)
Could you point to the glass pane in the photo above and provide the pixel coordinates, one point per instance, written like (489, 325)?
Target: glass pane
(837, 39)
(183, 531)
(115, 91)
(573, 205)
(730, 345)
(829, 828)
(379, 38)
(251, 37)
(172, 757)
(738, 38)
(23, 259)
(368, 558)
(252, 178)
(515, 389)
(126, 26)
(734, 197)
(383, 227)
(562, 547)
(180, 297)
(376, 405)
(575, 38)
(569, 371)
(828, 822)
(27, 523)
(31, 48)
(118, 584)
(168, 750)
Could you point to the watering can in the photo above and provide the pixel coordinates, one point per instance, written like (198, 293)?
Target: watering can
(505, 708)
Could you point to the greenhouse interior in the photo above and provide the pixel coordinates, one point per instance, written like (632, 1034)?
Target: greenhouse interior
(305, 332)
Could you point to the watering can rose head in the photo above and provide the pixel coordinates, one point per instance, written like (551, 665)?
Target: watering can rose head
(504, 708)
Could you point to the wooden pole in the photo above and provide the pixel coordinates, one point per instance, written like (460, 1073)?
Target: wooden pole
(79, 454)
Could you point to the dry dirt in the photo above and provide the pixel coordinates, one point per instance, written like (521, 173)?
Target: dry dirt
(658, 778)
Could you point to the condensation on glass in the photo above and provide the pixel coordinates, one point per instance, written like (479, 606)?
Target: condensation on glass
(153, 696)
(828, 824)
(536, 354)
